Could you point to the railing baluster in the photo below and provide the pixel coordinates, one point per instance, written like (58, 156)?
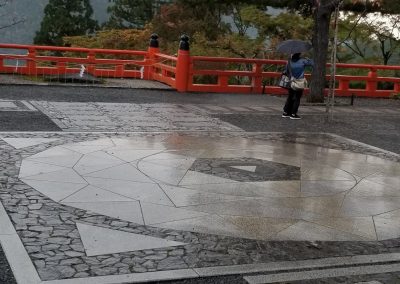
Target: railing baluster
(397, 88)
(256, 82)
(343, 86)
(372, 83)
(223, 81)
(31, 63)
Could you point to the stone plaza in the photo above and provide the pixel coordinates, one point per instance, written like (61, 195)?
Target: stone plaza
(135, 192)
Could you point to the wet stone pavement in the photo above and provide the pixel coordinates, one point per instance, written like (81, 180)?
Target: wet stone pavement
(132, 193)
(52, 232)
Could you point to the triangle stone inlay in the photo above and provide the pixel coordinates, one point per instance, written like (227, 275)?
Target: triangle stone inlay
(19, 143)
(100, 241)
(245, 168)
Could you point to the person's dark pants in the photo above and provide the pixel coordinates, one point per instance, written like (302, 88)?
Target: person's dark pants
(293, 102)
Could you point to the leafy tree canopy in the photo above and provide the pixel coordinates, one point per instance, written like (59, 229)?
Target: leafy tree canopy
(369, 39)
(306, 7)
(65, 18)
(132, 13)
(214, 34)
(133, 39)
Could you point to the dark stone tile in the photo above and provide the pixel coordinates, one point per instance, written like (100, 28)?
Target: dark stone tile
(26, 121)
(6, 275)
(264, 170)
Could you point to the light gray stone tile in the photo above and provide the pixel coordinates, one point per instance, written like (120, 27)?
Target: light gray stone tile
(99, 241)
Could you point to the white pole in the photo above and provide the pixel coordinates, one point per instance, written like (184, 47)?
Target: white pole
(332, 82)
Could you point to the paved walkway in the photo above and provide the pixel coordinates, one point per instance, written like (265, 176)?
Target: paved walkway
(21, 80)
(138, 191)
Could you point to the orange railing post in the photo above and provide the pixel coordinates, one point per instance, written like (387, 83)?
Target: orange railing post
(372, 83)
(256, 81)
(31, 63)
(223, 81)
(91, 59)
(153, 49)
(183, 65)
(119, 70)
(62, 67)
(396, 88)
(344, 85)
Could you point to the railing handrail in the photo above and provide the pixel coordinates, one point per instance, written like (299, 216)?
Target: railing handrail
(166, 57)
(238, 60)
(72, 49)
(366, 66)
(277, 61)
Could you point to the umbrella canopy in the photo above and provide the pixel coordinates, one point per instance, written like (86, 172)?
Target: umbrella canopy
(292, 46)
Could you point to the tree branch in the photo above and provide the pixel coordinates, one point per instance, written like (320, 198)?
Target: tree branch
(354, 26)
(12, 24)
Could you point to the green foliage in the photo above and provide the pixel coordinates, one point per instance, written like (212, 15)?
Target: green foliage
(387, 42)
(132, 39)
(222, 39)
(395, 96)
(220, 28)
(307, 7)
(210, 34)
(132, 13)
(368, 39)
(246, 16)
(205, 16)
(354, 40)
(288, 26)
(218, 4)
(390, 6)
(230, 45)
(65, 18)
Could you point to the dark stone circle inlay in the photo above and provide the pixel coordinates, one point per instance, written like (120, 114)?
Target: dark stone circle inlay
(264, 171)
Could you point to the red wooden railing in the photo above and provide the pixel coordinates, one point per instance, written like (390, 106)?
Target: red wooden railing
(182, 72)
(49, 60)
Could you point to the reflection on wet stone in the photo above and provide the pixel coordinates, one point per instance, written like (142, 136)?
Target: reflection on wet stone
(246, 169)
(49, 234)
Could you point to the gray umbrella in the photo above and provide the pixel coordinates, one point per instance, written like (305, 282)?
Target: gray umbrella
(292, 46)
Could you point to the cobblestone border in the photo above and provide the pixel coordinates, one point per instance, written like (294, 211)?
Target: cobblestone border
(48, 229)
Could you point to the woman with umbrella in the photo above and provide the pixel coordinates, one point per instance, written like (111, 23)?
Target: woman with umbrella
(295, 68)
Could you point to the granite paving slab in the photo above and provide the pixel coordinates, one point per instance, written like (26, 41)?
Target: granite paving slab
(49, 228)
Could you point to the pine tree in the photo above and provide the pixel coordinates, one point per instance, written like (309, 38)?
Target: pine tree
(65, 18)
(132, 13)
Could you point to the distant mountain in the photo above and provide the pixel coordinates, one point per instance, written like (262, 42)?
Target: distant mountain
(32, 11)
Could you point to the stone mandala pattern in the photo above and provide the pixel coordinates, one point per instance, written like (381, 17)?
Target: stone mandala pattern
(266, 191)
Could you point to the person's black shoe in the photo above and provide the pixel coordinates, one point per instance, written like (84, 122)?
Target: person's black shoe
(285, 114)
(294, 116)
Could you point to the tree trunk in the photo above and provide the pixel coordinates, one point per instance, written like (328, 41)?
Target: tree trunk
(322, 18)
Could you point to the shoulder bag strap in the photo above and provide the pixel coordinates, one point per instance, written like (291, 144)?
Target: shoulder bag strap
(289, 69)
